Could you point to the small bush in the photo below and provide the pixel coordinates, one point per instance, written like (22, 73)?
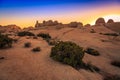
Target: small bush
(90, 67)
(5, 41)
(112, 77)
(35, 37)
(52, 42)
(68, 53)
(116, 63)
(25, 33)
(27, 44)
(92, 51)
(44, 36)
(36, 49)
(2, 58)
(110, 34)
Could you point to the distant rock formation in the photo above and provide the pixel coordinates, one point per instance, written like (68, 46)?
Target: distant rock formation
(100, 22)
(37, 24)
(87, 25)
(75, 24)
(114, 26)
(46, 23)
(110, 21)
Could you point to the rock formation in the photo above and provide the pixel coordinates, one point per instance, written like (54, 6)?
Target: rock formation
(100, 22)
(75, 24)
(87, 25)
(37, 24)
(46, 23)
(110, 21)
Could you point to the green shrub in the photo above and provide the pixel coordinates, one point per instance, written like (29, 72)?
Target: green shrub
(68, 53)
(25, 33)
(36, 49)
(5, 41)
(27, 44)
(44, 36)
(116, 63)
(90, 67)
(92, 51)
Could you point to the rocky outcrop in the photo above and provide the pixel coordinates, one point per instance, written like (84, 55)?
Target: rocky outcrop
(110, 21)
(100, 22)
(37, 24)
(46, 23)
(10, 28)
(75, 24)
(87, 25)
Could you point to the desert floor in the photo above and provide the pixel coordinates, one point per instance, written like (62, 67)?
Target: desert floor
(21, 63)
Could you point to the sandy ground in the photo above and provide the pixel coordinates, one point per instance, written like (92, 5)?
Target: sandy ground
(21, 63)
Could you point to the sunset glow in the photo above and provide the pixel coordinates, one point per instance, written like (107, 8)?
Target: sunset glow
(24, 15)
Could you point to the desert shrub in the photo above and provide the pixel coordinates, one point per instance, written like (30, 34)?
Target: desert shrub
(109, 34)
(35, 37)
(92, 51)
(25, 33)
(5, 41)
(116, 63)
(2, 58)
(112, 77)
(27, 44)
(44, 36)
(92, 31)
(68, 53)
(90, 67)
(36, 49)
(52, 42)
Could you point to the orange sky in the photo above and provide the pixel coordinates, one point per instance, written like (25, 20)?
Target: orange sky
(85, 16)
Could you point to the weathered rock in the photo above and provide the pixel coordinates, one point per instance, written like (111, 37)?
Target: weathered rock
(75, 24)
(87, 25)
(110, 21)
(100, 22)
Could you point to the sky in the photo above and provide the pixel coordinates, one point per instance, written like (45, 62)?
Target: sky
(24, 13)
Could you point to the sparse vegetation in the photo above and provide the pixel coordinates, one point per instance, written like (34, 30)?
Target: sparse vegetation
(2, 58)
(90, 67)
(68, 53)
(110, 34)
(35, 37)
(27, 44)
(36, 49)
(92, 52)
(116, 63)
(44, 36)
(112, 77)
(25, 33)
(5, 41)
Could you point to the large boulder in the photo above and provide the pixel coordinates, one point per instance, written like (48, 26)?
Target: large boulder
(100, 22)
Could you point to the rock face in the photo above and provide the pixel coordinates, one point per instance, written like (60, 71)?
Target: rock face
(110, 21)
(100, 22)
(75, 24)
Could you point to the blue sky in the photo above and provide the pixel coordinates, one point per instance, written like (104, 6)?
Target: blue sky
(16, 11)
